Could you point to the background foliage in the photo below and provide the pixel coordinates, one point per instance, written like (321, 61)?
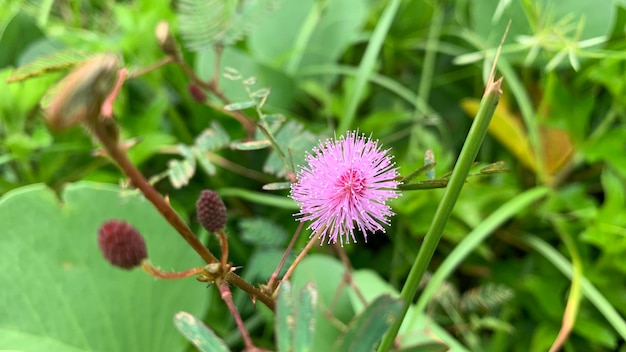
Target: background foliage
(560, 129)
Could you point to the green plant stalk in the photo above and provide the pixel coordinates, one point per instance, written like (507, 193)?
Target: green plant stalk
(390, 84)
(304, 36)
(430, 55)
(475, 238)
(575, 293)
(591, 292)
(444, 210)
(368, 63)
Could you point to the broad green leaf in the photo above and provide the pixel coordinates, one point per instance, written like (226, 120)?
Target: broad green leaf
(19, 33)
(285, 318)
(366, 329)
(426, 347)
(199, 334)
(327, 273)
(263, 262)
(305, 320)
(295, 321)
(59, 294)
(416, 329)
(307, 33)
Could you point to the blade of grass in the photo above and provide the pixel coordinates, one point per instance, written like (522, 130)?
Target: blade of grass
(258, 197)
(368, 63)
(390, 84)
(590, 291)
(305, 34)
(459, 174)
(575, 294)
(523, 100)
(475, 238)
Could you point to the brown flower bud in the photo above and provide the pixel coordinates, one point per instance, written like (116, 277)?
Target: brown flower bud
(80, 95)
(211, 211)
(196, 93)
(166, 40)
(121, 244)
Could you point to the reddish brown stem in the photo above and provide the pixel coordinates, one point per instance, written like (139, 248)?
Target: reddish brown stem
(224, 245)
(158, 273)
(274, 277)
(152, 67)
(299, 258)
(227, 296)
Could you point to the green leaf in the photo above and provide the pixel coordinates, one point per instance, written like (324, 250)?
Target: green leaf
(240, 106)
(252, 145)
(202, 23)
(260, 198)
(65, 297)
(366, 329)
(20, 32)
(180, 172)
(294, 140)
(212, 138)
(416, 329)
(199, 334)
(327, 273)
(285, 318)
(426, 347)
(204, 162)
(305, 320)
(249, 14)
(307, 33)
(295, 323)
(275, 186)
(51, 63)
(262, 232)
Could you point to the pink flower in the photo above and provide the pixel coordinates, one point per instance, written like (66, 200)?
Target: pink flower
(346, 182)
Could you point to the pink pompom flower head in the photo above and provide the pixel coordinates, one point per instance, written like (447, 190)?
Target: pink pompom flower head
(346, 182)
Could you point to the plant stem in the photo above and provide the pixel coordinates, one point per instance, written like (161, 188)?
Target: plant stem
(444, 210)
(158, 273)
(273, 279)
(112, 148)
(227, 296)
(299, 258)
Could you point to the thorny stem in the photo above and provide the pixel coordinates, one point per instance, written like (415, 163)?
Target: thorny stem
(113, 150)
(227, 296)
(274, 277)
